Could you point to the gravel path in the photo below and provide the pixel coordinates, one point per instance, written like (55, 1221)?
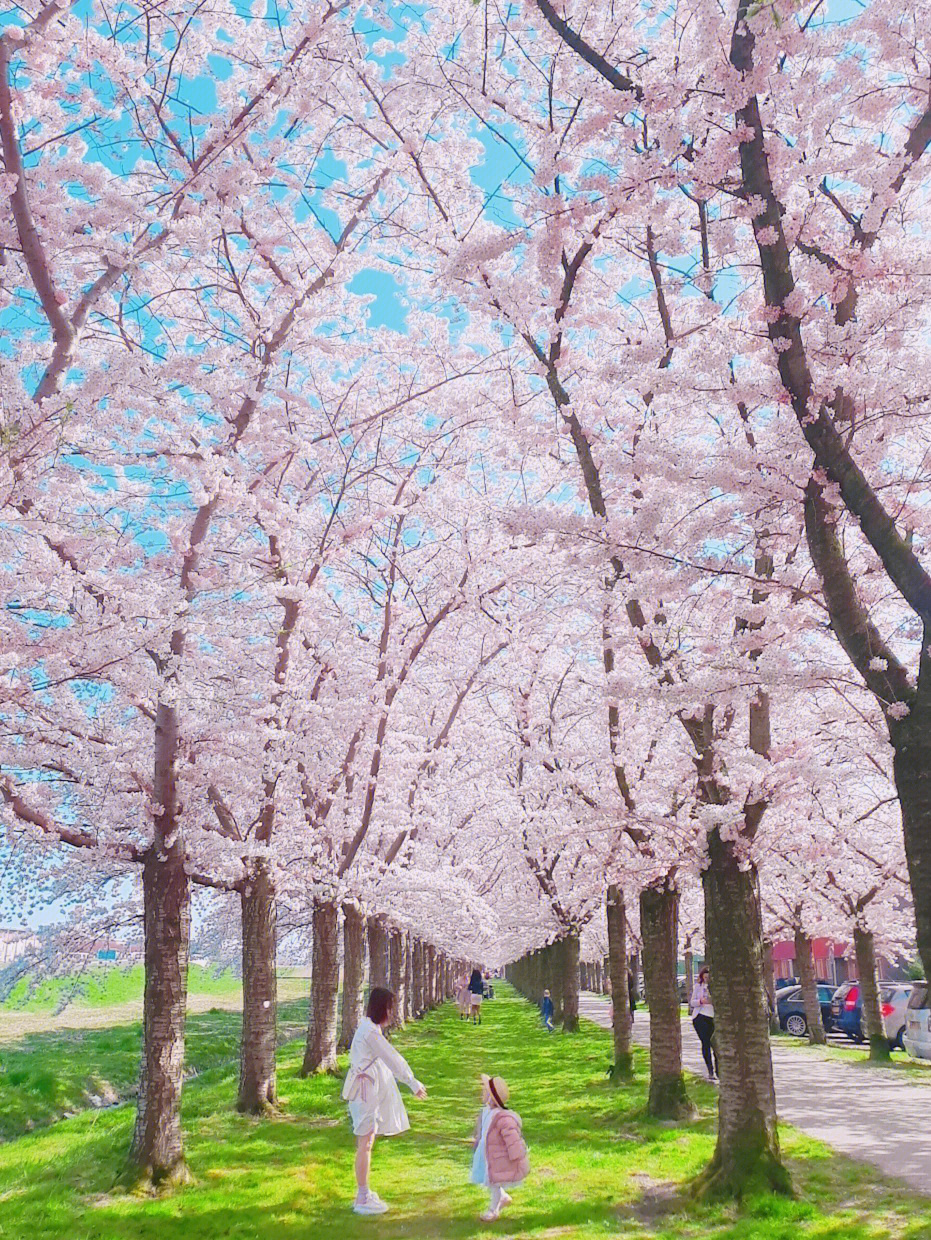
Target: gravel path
(877, 1116)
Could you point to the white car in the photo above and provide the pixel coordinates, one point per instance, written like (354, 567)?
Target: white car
(894, 999)
(917, 1038)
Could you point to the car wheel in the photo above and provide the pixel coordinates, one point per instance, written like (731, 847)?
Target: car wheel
(797, 1025)
(899, 1043)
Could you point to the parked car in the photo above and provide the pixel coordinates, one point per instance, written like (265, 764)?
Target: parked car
(917, 1039)
(894, 1000)
(790, 1008)
(847, 1010)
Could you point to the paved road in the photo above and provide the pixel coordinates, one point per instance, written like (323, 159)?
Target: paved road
(877, 1116)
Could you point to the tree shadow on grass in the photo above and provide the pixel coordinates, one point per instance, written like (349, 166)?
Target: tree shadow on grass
(598, 1167)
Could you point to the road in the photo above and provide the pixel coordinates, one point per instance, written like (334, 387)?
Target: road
(871, 1114)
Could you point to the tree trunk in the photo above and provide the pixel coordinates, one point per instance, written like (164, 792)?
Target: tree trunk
(353, 972)
(396, 974)
(872, 1019)
(570, 952)
(417, 976)
(320, 1052)
(911, 740)
(259, 991)
(156, 1155)
(689, 972)
(429, 980)
(806, 974)
(747, 1152)
(659, 929)
(769, 986)
(408, 975)
(616, 913)
(556, 962)
(438, 965)
(378, 953)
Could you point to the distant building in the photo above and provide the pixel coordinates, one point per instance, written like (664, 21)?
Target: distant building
(834, 962)
(16, 943)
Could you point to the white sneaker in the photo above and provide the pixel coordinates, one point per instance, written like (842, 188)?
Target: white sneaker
(371, 1203)
(493, 1212)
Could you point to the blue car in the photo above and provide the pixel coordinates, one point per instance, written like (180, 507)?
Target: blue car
(790, 1008)
(847, 1010)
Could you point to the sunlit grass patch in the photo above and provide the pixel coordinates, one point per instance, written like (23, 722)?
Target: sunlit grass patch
(600, 1167)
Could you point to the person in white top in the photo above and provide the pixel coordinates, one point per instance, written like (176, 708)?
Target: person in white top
(371, 1090)
(702, 1013)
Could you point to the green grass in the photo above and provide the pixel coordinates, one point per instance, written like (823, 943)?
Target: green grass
(104, 987)
(45, 1076)
(599, 1168)
(917, 1069)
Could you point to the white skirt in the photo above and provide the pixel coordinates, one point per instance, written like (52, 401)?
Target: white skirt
(382, 1112)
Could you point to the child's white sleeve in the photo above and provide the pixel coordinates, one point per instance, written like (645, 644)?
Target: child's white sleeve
(395, 1061)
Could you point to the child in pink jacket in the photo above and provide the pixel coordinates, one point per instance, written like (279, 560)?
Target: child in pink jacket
(500, 1158)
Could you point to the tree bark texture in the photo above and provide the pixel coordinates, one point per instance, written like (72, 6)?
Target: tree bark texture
(353, 972)
(570, 953)
(429, 977)
(257, 1076)
(616, 914)
(911, 740)
(320, 1051)
(378, 953)
(156, 1155)
(659, 928)
(747, 1152)
(806, 975)
(396, 974)
(408, 952)
(417, 978)
(871, 1019)
(769, 985)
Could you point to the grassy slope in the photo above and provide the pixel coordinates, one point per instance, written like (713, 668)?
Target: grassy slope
(47, 1075)
(594, 1160)
(105, 987)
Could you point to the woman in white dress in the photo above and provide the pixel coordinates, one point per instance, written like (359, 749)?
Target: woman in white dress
(371, 1090)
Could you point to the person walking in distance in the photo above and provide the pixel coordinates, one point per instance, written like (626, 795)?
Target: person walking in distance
(546, 1011)
(702, 1013)
(476, 995)
(463, 998)
(631, 996)
(371, 1090)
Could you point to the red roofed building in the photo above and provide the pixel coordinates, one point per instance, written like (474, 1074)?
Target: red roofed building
(834, 962)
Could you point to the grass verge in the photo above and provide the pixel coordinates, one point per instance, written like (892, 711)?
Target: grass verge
(46, 1076)
(917, 1069)
(600, 1168)
(106, 987)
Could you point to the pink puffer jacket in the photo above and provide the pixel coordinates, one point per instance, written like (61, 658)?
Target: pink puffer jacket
(505, 1150)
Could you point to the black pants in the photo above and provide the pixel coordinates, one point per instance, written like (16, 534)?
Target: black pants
(704, 1027)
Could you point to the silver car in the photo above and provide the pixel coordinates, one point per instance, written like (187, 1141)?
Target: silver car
(894, 998)
(917, 1040)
